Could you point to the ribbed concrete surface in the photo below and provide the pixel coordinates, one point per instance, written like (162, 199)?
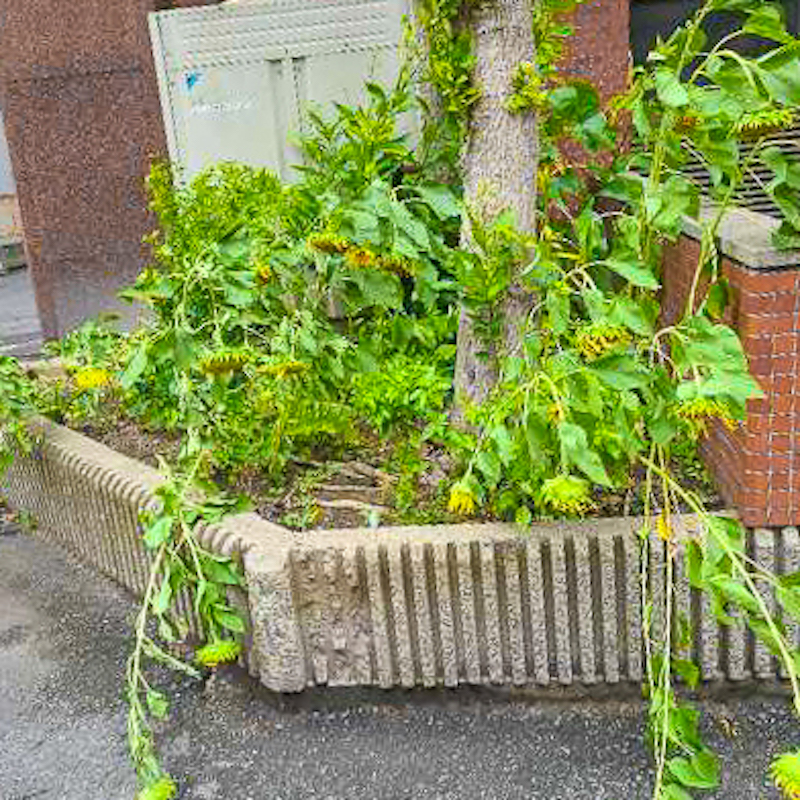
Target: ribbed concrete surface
(416, 606)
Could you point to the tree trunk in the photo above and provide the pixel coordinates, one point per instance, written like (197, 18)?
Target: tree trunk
(499, 172)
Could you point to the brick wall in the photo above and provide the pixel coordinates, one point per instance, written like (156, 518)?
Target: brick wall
(756, 466)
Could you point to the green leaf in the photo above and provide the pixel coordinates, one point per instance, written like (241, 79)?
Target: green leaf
(706, 765)
(221, 572)
(135, 368)
(489, 465)
(558, 307)
(684, 770)
(159, 531)
(688, 670)
(674, 792)
(790, 601)
(736, 593)
(671, 92)
(634, 272)
(441, 200)
(164, 596)
(229, 620)
(575, 450)
(157, 704)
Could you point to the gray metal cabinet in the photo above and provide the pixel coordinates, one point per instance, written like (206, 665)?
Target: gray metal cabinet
(235, 78)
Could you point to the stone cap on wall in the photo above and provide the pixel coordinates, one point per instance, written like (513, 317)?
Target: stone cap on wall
(745, 236)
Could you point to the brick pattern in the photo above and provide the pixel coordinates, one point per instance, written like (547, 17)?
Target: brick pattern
(757, 466)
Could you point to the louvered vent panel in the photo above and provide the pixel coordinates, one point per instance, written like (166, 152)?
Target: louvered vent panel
(235, 78)
(752, 194)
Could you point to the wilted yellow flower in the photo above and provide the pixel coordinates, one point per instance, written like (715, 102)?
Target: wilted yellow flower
(360, 257)
(597, 338)
(395, 265)
(162, 788)
(566, 494)
(462, 499)
(263, 272)
(285, 369)
(785, 774)
(700, 409)
(223, 651)
(327, 243)
(223, 361)
(92, 378)
(663, 527)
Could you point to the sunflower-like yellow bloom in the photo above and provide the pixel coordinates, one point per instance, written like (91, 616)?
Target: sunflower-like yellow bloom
(700, 409)
(785, 774)
(286, 369)
(360, 257)
(566, 494)
(223, 361)
(597, 338)
(223, 651)
(327, 243)
(462, 499)
(162, 788)
(263, 273)
(92, 378)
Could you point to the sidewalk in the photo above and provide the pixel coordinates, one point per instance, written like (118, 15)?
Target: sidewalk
(63, 642)
(20, 331)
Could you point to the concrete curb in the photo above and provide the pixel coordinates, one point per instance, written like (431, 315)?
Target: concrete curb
(408, 606)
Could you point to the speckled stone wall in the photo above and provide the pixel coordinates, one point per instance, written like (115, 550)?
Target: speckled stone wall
(82, 120)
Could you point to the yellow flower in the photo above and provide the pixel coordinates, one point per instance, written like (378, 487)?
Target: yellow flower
(285, 369)
(597, 338)
(785, 773)
(92, 378)
(360, 257)
(223, 361)
(263, 273)
(699, 410)
(162, 788)
(221, 652)
(395, 265)
(327, 243)
(663, 527)
(566, 494)
(462, 499)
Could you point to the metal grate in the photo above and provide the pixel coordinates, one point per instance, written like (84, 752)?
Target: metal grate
(751, 194)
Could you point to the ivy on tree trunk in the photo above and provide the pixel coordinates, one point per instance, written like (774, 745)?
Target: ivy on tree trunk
(500, 164)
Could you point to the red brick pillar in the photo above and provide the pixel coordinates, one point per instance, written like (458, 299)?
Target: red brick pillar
(757, 465)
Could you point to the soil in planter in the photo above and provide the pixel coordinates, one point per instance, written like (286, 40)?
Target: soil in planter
(361, 487)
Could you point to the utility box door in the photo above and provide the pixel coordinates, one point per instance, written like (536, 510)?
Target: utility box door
(234, 79)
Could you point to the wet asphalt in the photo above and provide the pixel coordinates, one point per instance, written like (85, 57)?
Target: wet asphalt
(63, 642)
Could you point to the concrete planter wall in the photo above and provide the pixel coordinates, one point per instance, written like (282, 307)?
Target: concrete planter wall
(416, 606)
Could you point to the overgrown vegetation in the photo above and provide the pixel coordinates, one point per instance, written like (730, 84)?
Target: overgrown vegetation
(300, 321)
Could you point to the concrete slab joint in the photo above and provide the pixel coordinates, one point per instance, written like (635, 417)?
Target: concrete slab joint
(408, 606)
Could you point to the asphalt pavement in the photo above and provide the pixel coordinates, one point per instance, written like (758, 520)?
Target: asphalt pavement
(64, 636)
